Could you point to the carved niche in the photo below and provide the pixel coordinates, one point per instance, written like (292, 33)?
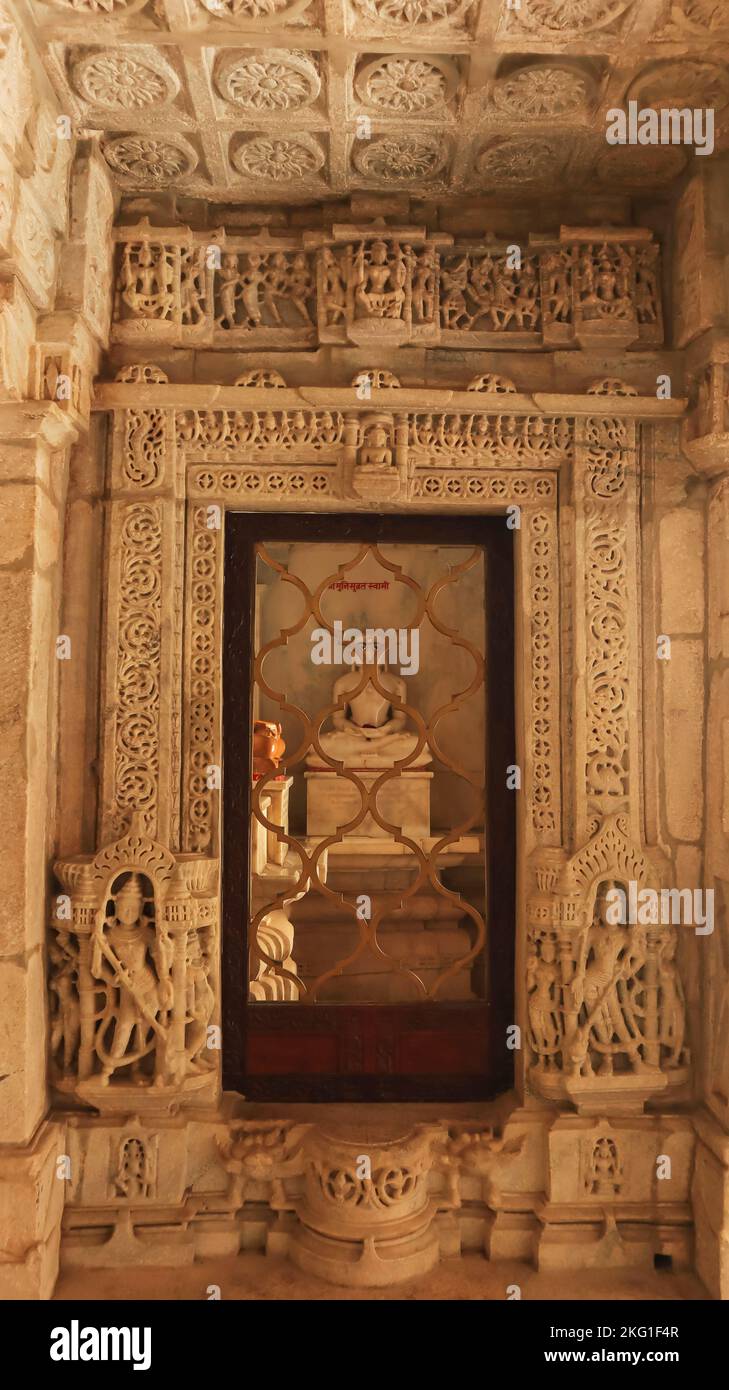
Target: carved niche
(134, 978)
(607, 1016)
(605, 1011)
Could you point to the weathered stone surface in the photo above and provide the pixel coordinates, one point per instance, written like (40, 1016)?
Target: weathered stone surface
(683, 739)
(31, 1204)
(23, 1045)
(681, 542)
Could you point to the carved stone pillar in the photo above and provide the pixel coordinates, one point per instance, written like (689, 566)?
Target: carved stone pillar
(33, 465)
(706, 441)
(605, 694)
(604, 996)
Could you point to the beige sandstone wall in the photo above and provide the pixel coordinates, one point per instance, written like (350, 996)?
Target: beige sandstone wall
(54, 204)
(700, 799)
(55, 260)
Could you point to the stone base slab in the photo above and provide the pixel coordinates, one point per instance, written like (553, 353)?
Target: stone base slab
(557, 1191)
(32, 1192)
(710, 1199)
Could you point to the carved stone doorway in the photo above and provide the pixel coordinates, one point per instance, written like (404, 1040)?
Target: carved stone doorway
(394, 1011)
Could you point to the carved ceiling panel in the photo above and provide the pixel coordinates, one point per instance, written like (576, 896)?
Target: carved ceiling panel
(285, 100)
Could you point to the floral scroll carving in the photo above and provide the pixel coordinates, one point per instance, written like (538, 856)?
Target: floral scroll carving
(607, 581)
(138, 669)
(146, 447)
(544, 732)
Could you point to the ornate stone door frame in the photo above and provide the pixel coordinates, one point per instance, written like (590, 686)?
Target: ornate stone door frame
(570, 464)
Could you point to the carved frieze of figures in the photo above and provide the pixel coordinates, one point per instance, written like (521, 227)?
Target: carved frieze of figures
(483, 292)
(265, 290)
(532, 441)
(373, 284)
(607, 1016)
(160, 288)
(242, 433)
(379, 289)
(133, 976)
(615, 290)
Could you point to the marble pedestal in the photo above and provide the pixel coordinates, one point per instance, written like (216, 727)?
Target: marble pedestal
(332, 801)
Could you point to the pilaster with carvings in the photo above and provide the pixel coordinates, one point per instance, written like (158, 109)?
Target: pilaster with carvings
(143, 619)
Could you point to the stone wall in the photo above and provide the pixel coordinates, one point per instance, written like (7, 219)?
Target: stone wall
(55, 211)
(229, 385)
(207, 413)
(702, 322)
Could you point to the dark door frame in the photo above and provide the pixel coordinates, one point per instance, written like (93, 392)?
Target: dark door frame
(242, 531)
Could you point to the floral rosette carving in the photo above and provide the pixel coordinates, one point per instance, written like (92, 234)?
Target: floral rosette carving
(517, 160)
(685, 82)
(405, 86)
(100, 7)
(565, 17)
(128, 79)
(402, 158)
(147, 161)
(278, 158)
(257, 13)
(404, 13)
(543, 90)
(274, 80)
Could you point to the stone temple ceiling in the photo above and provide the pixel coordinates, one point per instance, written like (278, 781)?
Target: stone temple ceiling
(291, 100)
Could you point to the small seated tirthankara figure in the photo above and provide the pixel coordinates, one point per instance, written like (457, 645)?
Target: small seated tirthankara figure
(368, 730)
